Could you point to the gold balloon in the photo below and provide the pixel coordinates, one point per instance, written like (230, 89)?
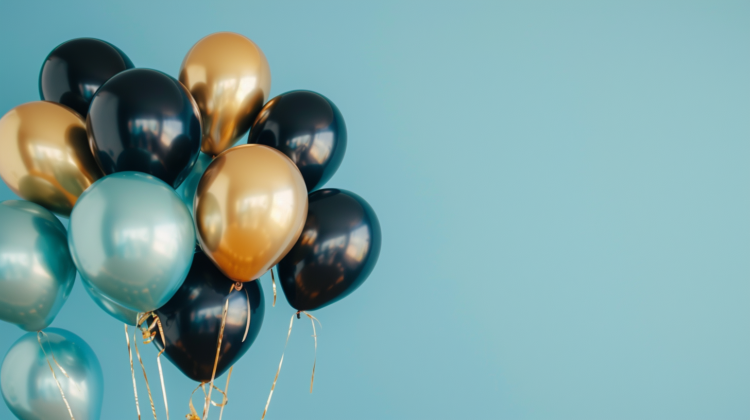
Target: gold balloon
(45, 156)
(250, 208)
(229, 78)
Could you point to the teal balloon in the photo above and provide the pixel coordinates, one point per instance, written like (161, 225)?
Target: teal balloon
(187, 189)
(29, 389)
(132, 240)
(36, 270)
(116, 310)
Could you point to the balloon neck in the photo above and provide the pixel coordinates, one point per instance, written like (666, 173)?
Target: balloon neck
(237, 286)
(298, 312)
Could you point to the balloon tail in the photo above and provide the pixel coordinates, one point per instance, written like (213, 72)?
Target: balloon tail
(273, 282)
(132, 372)
(39, 335)
(207, 406)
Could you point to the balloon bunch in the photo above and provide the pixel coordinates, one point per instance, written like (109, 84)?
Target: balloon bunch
(171, 220)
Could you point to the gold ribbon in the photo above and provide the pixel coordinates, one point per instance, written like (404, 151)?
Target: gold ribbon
(39, 335)
(226, 387)
(143, 368)
(132, 372)
(194, 414)
(208, 401)
(288, 334)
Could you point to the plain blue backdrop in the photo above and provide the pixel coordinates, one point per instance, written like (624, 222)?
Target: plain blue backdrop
(563, 188)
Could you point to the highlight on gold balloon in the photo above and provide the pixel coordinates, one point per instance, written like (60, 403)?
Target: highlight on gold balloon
(176, 214)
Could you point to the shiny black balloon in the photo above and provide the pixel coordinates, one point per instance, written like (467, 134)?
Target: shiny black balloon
(192, 318)
(74, 70)
(144, 120)
(337, 250)
(308, 128)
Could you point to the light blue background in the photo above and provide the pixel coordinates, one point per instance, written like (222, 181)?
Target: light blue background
(563, 189)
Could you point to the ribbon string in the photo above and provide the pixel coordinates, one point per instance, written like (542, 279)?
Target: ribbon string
(132, 372)
(145, 377)
(39, 335)
(288, 334)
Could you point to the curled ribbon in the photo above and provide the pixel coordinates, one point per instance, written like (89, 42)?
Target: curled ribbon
(288, 334)
(39, 336)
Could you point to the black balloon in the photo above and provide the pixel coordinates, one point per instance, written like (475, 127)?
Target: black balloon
(192, 319)
(337, 250)
(74, 71)
(144, 120)
(308, 128)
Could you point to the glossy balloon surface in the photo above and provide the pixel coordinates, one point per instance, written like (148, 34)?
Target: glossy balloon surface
(45, 156)
(31, 392)
(337, 250)
(144, 120)
(76, 69)
(192, 319)
(132, 239)
(249, 210)
(229, 77)
(308, 128)
(36, 271)
(117, 311)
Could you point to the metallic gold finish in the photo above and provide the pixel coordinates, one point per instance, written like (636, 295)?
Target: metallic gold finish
(229, 78)
(45, 156)
(250, 208)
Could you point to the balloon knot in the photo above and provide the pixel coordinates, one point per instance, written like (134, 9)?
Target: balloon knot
(298, 312)
(237, 286)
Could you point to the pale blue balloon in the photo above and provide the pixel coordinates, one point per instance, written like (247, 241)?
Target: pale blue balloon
(116, 310)
(30, 390)
(132, 239)
(187, 189)
(36, 270)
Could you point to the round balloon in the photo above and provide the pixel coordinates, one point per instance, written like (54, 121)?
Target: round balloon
(36, 271)
(307, 127)
(132, 239)
(30, 390)
(338, 249)
(45, 156)
(144, 120)
(229, 77)
(75, 69)
(192, 319)
(249, 210)
(114, 309)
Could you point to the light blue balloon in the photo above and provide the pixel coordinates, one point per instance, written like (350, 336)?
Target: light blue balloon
(36, 271)
(132, 239)
(116, 310)
(30, 390)
(187, 189)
